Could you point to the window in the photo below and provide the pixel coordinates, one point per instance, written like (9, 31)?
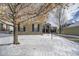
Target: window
(32, 27)
(35, 27)
(24, 28)
(1, 26)
(18, 27)
(38, 27)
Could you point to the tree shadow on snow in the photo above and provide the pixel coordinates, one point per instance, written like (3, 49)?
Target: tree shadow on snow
(6, 44)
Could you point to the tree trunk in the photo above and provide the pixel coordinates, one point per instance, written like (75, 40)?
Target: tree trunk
(15, 33)
(59, 29)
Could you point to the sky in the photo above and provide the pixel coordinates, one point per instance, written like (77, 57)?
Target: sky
(71, 14)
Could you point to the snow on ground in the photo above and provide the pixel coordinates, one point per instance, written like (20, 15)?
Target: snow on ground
(38, 45)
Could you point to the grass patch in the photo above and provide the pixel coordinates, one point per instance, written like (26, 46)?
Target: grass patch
(74, 39)
(71, 30)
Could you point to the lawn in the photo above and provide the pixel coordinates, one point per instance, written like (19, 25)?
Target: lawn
(74, 39)
(71, 30)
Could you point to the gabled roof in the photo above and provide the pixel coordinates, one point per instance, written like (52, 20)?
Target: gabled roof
(5, 22)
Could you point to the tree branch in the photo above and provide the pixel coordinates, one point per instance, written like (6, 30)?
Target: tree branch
(40, 12)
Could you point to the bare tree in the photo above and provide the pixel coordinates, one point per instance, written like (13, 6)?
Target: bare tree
(17, 13)
(59, 16)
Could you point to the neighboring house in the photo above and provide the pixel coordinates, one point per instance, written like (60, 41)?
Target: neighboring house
(5, 28)
(33, 26)
(37, 25)
(72, 29)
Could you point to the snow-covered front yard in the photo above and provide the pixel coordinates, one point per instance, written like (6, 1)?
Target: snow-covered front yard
(40, 45)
